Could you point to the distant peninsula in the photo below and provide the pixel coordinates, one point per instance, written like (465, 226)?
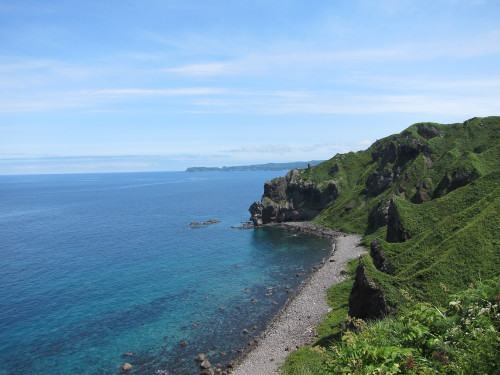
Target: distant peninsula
(258, 167)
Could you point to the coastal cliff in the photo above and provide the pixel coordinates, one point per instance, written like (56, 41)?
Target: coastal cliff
(290, 198)
(424, 199)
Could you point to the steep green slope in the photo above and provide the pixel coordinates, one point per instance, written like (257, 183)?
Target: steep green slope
(427, 201)
(428, 196)
(453, 240)
(411, 165)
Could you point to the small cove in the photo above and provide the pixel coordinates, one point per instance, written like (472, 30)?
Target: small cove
(100, 265)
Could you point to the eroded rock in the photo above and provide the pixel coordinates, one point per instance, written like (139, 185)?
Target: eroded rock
(380, 261)
(290, 198)
(395, 230)
(367, 300)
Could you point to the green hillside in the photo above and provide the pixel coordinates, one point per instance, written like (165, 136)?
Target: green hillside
(427, 201)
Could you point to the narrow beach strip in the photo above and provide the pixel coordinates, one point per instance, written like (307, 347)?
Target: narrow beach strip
(294, 326)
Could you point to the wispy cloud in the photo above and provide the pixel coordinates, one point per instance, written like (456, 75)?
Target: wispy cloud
(303, 57)
(89, 99)
(281, 149)
(479, 97)
(264, 149)
(156, 92)
(208, 69)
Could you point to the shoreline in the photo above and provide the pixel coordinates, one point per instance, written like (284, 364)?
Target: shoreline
(295, 324)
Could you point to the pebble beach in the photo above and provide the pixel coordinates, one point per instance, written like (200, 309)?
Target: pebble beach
(295, 325)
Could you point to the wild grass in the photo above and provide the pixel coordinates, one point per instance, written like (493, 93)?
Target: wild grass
(454, 241)
(461, 338)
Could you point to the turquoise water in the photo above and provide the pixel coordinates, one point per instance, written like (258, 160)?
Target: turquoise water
(99, 265)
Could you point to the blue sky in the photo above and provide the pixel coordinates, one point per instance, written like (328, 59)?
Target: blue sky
(122, 85)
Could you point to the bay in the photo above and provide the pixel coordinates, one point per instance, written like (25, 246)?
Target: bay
(95, 266)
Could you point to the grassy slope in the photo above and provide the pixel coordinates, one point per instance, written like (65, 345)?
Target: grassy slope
(455, 238)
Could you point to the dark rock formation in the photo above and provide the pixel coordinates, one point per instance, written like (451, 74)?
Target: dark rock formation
(380, 261)
(377, 182)
(276, 189)
(256, 213)
(290, 198)
(392, 157)
(422, 193)
(427, 131)
(399, 149)
(379, 216)
(333, 169)
(395, 230)
(454, 180)
(366, 301)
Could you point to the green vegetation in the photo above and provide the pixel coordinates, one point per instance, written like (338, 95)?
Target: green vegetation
(430, 198)
(257, 167)
(462, 338)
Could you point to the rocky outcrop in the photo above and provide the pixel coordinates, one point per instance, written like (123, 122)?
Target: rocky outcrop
(379, 259)
(379, 216)
(392, 157)
(291, 198)
(395, 230)
(399, 148)
(378, 182)
(454, 180)
(427, 131)
(422, 193)
(366, 301)
(256, 214)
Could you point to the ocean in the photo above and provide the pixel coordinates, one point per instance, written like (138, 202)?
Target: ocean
(102, 269)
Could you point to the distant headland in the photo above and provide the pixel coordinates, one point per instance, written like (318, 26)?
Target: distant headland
(258, 167)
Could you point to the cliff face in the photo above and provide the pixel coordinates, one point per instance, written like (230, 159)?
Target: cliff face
(354, 191)
(291, 198)
(429, 196)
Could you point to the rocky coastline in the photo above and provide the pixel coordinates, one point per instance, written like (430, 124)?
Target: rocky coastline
(294, 326)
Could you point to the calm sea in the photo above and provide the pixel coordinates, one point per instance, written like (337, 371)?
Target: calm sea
(96, 266)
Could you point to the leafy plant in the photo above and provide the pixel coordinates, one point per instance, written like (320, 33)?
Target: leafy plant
(462, 338)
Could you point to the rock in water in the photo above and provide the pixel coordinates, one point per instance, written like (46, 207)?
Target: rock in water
(205, 364)
(201, 357)
(126, 367)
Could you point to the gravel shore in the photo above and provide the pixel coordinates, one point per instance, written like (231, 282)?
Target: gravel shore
(294, 326)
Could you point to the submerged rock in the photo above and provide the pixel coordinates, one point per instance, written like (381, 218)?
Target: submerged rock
(201, 357)
(128, 354)
(126, 367)
(205, 364)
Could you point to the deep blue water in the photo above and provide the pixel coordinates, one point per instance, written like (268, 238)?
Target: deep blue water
(94, 266)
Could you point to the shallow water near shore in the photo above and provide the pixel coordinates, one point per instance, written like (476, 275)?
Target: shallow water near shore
(96, 266)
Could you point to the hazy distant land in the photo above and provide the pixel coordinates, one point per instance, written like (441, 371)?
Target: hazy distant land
(257, 167)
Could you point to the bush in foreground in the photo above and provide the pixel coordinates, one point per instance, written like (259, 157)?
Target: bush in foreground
(463, 338)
